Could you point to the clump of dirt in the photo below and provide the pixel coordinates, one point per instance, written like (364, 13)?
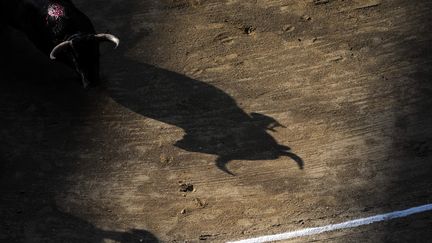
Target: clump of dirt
(200, 203)
(249, 29)
(186, 187)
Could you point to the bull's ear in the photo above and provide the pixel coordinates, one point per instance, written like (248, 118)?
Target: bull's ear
(60, 47)
(108, 37)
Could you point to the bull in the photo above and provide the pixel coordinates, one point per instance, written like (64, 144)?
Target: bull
(59, 29)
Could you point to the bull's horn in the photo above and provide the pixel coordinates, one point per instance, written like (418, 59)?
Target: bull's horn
(58, 47)
(108, 37)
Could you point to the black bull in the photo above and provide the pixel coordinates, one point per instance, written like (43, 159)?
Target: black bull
(59, 29)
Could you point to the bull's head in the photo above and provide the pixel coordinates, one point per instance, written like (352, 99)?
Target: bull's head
(83, 53)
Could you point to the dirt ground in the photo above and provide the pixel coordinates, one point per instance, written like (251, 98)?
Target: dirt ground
(223, 120)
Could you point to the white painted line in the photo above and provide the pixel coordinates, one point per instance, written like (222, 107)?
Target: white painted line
(344, 225)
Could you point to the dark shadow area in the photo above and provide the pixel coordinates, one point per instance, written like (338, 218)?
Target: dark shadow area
(212, 120)
(42, 109)
(412, 128)
(52, 225)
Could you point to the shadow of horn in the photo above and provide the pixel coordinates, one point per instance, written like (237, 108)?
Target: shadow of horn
(294, 157)
(221, 164)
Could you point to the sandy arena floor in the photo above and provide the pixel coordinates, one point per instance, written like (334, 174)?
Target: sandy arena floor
(223, 120)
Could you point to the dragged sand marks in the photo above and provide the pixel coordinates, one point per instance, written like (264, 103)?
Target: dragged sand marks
(198, 64)
(226, 38)
(223, 63)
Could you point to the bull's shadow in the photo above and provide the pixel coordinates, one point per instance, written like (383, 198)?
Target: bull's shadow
(211, 119)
